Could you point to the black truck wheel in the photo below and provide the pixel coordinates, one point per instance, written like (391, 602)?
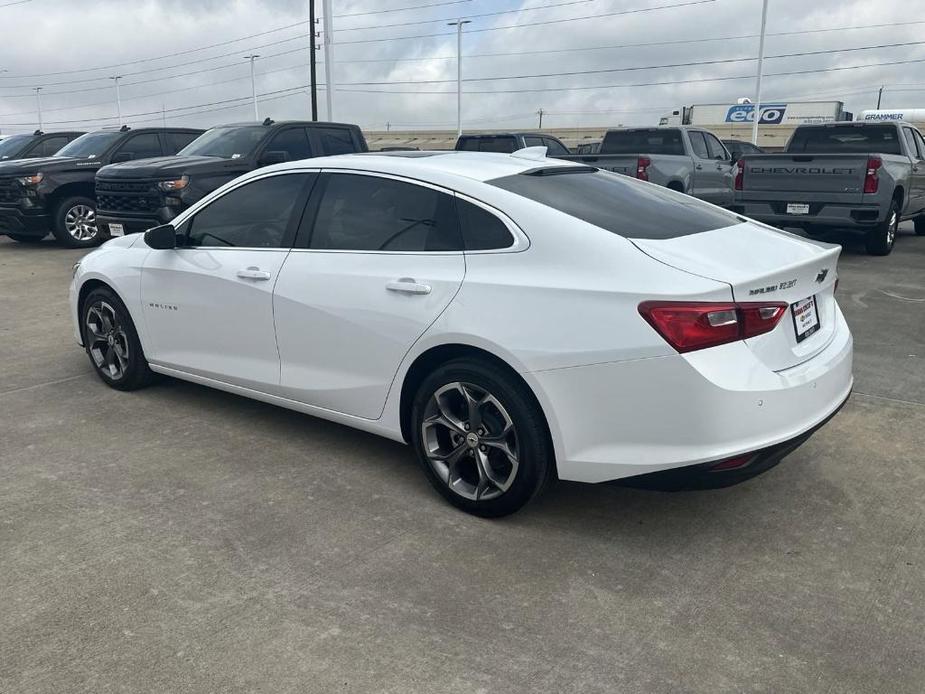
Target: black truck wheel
(920, 225)
(881, 238)
(74, 223)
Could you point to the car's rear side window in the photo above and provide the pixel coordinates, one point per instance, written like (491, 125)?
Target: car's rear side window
(481, 230)
(619, 204)
(858, 139)
(649, 141)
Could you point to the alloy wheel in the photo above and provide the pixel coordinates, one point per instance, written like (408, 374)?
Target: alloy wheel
(80, 222)
(470, 441)
(108, 341)
(893, 228)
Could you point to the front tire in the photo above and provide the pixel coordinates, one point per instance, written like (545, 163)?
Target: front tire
(880, 239)
(22, 238)
(74, 223)
(111, 341)
(481, 438)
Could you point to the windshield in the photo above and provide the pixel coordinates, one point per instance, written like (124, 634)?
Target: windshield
(227, 143)
(619, 204)
(858, 139)
(12, 145)
(89, 146)
(649, 141)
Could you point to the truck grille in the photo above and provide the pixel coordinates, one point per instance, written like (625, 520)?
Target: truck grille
(9, 191)
(127, 196)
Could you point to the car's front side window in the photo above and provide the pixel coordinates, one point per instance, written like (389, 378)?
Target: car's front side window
(255, 215)
(373, 213)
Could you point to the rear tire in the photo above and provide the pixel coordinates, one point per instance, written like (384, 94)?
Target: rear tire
(26, 239)
(111, 342)
(74, 223)
(675, 186)
(481, 437)
(920, 225)
(880, 239)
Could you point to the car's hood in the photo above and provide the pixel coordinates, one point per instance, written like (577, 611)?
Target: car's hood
(166, 167)
(46, 164)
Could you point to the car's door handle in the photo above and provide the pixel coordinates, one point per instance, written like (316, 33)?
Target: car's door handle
(407, 285)
(253, 273)
(699, 167)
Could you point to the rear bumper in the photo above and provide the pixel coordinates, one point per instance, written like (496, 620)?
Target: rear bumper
(835, 215)
(623, 419)
(714, 475)
(16, 220)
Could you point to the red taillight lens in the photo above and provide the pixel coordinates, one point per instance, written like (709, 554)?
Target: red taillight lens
(872, 179)
(740, 175)
(692, 325)
(642, 168)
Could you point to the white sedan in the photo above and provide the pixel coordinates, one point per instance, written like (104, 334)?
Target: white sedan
(513, 318)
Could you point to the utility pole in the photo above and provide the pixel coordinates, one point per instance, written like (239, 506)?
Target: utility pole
(313, 59)
(329, 56)
(38, 103)
(116, 78)
(757, 112)
(459, 27)
(252, 58)
(540, 114)
(879, 97)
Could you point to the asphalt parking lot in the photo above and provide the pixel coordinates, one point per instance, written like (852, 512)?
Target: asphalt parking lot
(179, 539)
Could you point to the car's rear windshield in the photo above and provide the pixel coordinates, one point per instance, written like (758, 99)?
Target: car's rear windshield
(648, 141)
(225, 142)
(13, 144)
(859, 139)
(619, 204)
(503, 144)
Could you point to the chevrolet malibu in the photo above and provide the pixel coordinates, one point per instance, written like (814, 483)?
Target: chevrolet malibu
(515, 319)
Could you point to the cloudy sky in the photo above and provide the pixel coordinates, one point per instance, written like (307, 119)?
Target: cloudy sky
(584, 62)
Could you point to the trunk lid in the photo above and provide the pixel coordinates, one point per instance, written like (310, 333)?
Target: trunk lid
(765, 265)
(796, 177)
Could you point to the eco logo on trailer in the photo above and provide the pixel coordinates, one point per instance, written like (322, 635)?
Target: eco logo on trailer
(771, 114)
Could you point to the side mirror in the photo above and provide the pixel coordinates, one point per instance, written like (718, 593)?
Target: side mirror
(122, 156)
(733, 158)
(162, 238)
(272, 157)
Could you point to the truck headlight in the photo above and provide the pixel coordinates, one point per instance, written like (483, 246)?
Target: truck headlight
(175, 184)
(32, 180)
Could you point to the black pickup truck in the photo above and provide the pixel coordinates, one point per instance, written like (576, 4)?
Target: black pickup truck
(33, 146)
(137, 196)
(56, 193)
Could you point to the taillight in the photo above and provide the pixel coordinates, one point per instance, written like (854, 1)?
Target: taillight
(693, 325)
(872, 179)
(642, 168)
(740, 175)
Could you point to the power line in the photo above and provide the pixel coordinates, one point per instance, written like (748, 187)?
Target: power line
(614, 13)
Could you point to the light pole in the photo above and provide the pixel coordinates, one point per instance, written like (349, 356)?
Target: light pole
(252, 58)
(38, 104)
(540, 113)
(459, 26)
(116, 78)
(764, 23)
(328, 56)
(312, 48)
(880, 96)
